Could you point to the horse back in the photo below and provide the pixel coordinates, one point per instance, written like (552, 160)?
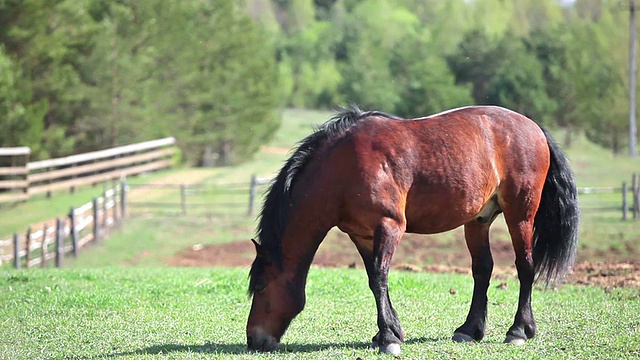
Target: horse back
(438, 172)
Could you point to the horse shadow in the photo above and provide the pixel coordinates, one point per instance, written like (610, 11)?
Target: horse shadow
(241, 348)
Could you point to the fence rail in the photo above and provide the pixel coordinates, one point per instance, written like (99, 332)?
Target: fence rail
(239, 196)
(20, 179)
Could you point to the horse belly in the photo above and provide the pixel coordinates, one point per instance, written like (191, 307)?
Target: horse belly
(438, 211)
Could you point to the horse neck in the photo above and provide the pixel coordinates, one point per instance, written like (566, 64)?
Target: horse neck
(307, 227)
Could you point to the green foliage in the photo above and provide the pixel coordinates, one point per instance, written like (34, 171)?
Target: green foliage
(98, 73)
(519, 84)
(21, 119)
(598, 78)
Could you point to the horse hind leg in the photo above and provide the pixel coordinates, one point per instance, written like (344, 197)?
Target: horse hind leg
(520, 223)
(477, 238)
(377, 261)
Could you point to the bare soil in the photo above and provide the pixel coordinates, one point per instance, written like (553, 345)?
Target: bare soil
(420, 253)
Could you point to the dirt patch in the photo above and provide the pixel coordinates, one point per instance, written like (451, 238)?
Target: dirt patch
(608, 275)
(235, 254)
(418, 253)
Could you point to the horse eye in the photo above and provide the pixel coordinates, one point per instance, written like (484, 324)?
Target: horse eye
(260, 286)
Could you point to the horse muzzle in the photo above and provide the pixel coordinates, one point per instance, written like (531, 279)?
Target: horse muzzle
(259, 341)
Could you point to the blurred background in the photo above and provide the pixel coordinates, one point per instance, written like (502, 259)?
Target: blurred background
(81, 75)
(230, 86)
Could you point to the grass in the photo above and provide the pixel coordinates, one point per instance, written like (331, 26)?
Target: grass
(192, 313)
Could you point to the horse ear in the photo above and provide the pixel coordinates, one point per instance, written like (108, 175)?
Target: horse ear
(259, 248)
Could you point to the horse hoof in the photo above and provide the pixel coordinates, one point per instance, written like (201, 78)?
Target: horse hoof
(460, 337)
(391, 349)
(514, 340)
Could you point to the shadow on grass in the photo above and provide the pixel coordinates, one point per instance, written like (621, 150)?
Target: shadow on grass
(238, 348)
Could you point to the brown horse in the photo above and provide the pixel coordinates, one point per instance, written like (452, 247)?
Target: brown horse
(376, 176)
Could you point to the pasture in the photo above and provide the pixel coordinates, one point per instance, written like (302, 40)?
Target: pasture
(118, 300)
(195, 313)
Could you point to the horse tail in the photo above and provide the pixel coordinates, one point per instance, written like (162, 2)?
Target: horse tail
(557, 220)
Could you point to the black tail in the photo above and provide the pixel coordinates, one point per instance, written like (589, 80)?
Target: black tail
(557, 220)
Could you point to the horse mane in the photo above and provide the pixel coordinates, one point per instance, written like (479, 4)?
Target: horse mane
(275, 210)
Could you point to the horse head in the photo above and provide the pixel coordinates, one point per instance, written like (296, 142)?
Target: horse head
(277, 299)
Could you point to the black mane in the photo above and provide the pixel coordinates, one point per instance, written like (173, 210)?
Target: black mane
(275, 210)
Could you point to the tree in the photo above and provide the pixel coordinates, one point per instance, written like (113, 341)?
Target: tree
(47, 40)
(426, 83)
(476, 62)
(518, 83)
(596, 74)
(215, 80)
(20, 119)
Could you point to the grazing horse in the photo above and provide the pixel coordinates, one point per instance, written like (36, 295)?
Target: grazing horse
(376, 176)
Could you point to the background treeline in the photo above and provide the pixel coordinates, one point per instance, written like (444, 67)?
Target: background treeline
(78, 75)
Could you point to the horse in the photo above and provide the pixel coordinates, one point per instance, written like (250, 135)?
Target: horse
(376, 176)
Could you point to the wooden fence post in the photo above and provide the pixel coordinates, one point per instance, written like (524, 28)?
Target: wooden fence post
(43, 247)
(625, 204)
(183, 198)
(96, 220)
(252, 194)
(59, 242)
(73, 231)
(634, 195)
(27, 256)
(105, 211)
(115, 199)
(16, 251)
(123, 198)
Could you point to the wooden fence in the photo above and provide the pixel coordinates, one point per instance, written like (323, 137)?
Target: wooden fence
(243, 198)
(14, 181)
(229, 198)
(52, 241)
(19, 179)
(41, 244)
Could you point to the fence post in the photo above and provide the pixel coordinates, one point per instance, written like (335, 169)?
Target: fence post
(27, 256)
(625, 204)
(73, 231)
(96, 220)
(105, 211)
(16, 251)
(123, 198)
(183, 198)
(59, 243)
(634, 195)
(43, 246)
(252, 194)
(115, 199)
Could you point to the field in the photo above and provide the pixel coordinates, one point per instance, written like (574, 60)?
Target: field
(195, 313)
(120, 300)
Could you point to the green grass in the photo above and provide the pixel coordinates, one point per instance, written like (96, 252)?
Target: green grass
(146, 241)
(188, 313)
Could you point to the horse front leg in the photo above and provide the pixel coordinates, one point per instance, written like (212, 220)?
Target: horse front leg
(477, 238)
(377, 261)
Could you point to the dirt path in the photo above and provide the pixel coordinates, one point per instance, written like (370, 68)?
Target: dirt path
(416, 253)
